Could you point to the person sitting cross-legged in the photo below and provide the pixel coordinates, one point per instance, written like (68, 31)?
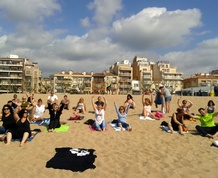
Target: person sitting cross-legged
(208, 127)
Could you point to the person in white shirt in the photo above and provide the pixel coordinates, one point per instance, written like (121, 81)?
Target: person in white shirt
(39, 111)
(52, 98)
(100, 123)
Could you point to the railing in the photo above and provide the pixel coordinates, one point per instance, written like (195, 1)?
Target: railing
(7, 77)
(125, 74)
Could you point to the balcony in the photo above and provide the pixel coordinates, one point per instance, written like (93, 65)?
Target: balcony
(125, 74)
(11, 65)
(125, 80)
(146, 77)
(10, 84)
(10, 77)
(173, 78)
(125, 86)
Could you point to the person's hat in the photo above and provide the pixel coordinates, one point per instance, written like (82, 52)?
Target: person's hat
(161, 86)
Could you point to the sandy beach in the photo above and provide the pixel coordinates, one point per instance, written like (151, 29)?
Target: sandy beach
(147, 151)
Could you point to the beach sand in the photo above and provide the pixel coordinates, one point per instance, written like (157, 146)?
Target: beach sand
(147, 151)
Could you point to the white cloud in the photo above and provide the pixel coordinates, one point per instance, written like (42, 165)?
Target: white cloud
(103, 44)
(26, 10)
(156, 28)
(104, 10)
(202, 59)
(85, 22)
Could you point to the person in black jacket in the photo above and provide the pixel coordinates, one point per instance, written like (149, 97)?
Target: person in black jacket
(55, 112)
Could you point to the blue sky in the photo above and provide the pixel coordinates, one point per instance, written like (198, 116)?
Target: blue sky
(91, 35)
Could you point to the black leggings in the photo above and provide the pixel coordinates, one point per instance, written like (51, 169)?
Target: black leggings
(207, 130)
(54, 123)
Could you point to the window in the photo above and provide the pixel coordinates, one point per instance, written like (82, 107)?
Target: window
(135, 85)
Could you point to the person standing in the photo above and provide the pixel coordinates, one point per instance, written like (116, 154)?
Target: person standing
(215, 90)
(167, 97)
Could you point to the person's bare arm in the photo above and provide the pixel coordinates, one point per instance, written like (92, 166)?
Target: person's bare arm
(190, 104)
(31, 116)
(93, 104)
(105, 103)
(143, 94)
(152, 100)
(178, 102)
(16, 110)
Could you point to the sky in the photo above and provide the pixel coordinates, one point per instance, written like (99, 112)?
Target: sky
(91, 35)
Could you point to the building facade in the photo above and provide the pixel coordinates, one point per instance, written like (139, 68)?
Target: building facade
(200, 80)
(111, 82)
(167, 75)
(71, 82)
(151, 74)
(142, 72)
(124, 71)
(32, 76)
(98, 83)
(17, 74)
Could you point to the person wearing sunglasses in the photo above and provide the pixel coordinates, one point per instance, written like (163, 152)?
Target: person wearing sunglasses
(7, 118)
(22, 130)
(55, 112)
(122, 114)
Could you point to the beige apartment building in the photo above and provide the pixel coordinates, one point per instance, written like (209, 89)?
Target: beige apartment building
(98, 83)
(167, 75)
(45, 85)
(71, 82)
(74, 82)
(200, 80)
(124, 71)
(142, 72)
(17, 74)
(111, 81)
(32, 76)
(152, 74)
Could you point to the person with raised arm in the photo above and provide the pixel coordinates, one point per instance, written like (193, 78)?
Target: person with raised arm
(207, 127)
(122, 114)
(22, 130)
(99, 109)
(147, 104)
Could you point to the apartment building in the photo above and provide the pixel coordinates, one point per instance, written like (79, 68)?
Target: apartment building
(17, 74)
(124, 71)
(45, 85)
(71, 82)
(151, 74)
(200, 80)
(111, 82)
(32, 76)
(142, 72)
(98, 83)
(163, 73)
(11, 74)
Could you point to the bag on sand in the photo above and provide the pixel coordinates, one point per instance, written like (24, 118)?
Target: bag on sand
(159, 114)
(185, 129)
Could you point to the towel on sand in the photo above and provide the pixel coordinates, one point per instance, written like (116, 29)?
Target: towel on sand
(62, 128)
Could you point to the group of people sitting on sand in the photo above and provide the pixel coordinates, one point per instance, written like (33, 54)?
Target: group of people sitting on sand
(17, 115)
(206, 117)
